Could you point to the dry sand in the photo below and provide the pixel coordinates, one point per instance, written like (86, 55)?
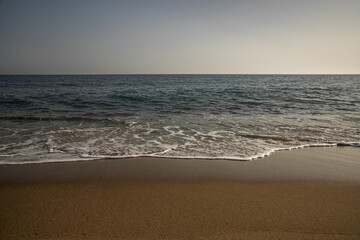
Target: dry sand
(302, 194)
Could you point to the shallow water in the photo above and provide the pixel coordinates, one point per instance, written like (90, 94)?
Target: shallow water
(240, 117)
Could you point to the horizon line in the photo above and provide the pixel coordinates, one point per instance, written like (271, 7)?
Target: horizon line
(66, 74)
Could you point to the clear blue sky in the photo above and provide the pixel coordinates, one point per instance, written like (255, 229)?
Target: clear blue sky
(165, 36)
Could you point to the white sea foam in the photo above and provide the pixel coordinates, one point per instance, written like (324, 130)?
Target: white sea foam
(210, 117)
(85, 157)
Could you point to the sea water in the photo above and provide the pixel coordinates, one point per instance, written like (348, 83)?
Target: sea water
(236, 117)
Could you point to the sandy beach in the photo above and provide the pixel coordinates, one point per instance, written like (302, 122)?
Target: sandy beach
(311, 193)
(174, 120)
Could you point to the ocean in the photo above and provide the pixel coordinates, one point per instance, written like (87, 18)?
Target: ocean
(53, 118)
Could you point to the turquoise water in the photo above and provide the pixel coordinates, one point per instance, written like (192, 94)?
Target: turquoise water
(238, 117)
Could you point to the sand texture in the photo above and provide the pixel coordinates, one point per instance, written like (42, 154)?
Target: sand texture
(180, 210)
(192, 200)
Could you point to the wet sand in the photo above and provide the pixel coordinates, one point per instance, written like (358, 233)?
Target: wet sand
(310, 193)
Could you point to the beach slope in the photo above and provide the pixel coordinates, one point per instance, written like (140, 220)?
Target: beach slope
(302, 194)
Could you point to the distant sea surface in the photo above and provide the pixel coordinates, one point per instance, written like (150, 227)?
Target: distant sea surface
(236, 117)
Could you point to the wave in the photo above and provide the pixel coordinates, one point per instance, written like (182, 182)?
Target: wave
(15, 101)
(128, 98)
(70, 119)
(85, 157)
(254, 136)
(234, 158)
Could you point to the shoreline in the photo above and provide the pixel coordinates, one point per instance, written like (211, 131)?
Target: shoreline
(311, 193)
(306, 164)
(84, 158)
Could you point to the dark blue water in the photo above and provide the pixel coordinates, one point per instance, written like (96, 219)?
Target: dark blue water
(64, 118)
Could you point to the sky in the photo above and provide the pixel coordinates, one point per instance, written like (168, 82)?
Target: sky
(180, 37)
